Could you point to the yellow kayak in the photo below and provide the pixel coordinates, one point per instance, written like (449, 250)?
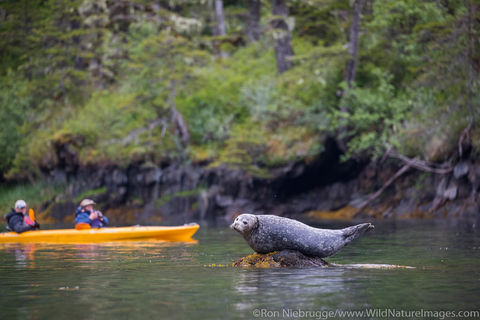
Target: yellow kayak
(138, 233)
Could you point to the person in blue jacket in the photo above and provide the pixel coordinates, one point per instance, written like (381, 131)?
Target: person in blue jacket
(86, 214)
(16, 219)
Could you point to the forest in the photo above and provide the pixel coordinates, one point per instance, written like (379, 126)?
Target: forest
(253, 86)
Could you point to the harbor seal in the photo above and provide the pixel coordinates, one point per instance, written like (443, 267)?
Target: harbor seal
(268, 233)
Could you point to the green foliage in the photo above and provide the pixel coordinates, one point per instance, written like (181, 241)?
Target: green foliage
(433, 126)
(375, 113)
(245, 149)
(111, 128)
(86, 76)
(34, 194)
(14, 105)
(180, 194)
(310, 89)
(216, 96)
(320, 20)
(91, 193)
(254, 147)
(412, 92)
(391, 42)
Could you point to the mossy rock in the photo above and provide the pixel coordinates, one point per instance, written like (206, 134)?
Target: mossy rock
(280, 259)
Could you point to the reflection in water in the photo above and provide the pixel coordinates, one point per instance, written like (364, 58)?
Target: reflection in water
(288, 288)
(140, 280)
(89, 253)
(23, 253)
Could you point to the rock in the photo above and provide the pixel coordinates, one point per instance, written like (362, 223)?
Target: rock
(118, 195)
(471, 213)
(61, 210)
(460, 170)
(116, 178)
(280, 259)
(442, 186)
(323, 185)
(153, 175)
(357, 199)
(465, 191)
(451, 210)
(451, 192)
(239, 206)
(405, 207)
(119, 177)
(58, 176)
(223, 201)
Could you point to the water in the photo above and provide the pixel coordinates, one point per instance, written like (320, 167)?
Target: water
(154, 280)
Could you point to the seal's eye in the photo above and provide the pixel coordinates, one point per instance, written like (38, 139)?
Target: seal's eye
(244, 222)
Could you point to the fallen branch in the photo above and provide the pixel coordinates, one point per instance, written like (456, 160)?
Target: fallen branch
(133, 135)
(422, 165)
(385, 186)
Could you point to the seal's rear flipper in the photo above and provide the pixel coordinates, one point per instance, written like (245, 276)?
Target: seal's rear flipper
(354, 232)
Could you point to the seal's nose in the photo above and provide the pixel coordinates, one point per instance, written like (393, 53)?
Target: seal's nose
(232, 226)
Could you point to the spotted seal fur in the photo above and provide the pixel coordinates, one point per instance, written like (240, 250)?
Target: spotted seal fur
(268, 233)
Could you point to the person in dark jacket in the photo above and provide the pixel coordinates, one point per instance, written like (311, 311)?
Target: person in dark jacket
(86, 214)
(16, 219)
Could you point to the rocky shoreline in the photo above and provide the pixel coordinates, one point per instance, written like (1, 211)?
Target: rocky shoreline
(324, 188)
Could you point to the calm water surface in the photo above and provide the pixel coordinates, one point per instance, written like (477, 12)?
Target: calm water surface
(154, 280)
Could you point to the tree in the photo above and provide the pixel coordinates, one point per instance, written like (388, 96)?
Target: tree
(353, 44)
(177, 118)
(162, 61)
(220, 18)
(14, 104)
(283, 45)
(221, 30)
(351, 67)
(253, 27)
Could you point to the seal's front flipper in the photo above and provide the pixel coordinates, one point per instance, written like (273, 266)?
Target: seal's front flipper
(354, 232)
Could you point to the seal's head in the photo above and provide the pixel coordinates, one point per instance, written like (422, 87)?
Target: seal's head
(244, 223)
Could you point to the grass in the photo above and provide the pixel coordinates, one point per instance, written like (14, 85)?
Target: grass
(181, 194)
(91, 193)
(34, 194)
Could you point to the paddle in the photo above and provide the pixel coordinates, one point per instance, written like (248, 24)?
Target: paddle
(31, 214)
(30, 219)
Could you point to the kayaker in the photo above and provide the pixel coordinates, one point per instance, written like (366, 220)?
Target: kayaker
(18, 221)
(86, 214)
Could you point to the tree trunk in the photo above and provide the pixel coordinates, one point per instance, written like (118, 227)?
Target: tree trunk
(283, 45)
(253, 32)
(177, 119)
(220, 18)
(464, 142)
(353, 45)
(351, 68)
(221, 30)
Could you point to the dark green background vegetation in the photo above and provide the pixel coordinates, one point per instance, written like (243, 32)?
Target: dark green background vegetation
(96, 77)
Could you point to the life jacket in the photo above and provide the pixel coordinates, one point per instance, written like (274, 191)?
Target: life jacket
(28, 221)
(83, 216)
(15, 222)
(97, 223)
